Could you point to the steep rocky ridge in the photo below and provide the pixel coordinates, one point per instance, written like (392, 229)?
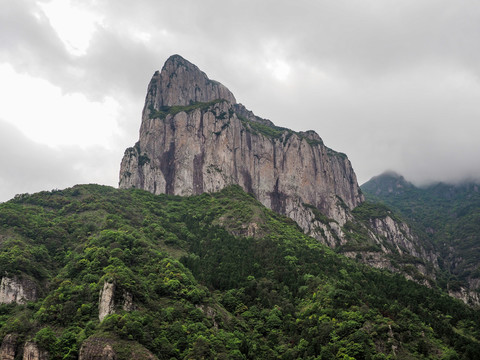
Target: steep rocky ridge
(204, 141)
(195, 138)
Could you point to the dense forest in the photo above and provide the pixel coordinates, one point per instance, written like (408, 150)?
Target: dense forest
(214, 276)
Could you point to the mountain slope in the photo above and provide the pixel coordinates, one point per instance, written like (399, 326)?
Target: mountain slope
(130, 274)
(447, 215)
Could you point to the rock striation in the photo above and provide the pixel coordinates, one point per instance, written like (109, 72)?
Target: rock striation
(195, 138)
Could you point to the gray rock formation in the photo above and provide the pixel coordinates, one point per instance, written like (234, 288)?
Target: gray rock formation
(31, 351)
(97, 348)
(106, 301)
(195, 138)
(13, 289)
(8, 348)
(106, 305)
(181, 83)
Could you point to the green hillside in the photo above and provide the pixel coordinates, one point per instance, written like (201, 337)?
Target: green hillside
(447, 215)
(201, 292)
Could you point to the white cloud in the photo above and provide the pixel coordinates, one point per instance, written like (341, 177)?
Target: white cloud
(46, 115)
(74, 25)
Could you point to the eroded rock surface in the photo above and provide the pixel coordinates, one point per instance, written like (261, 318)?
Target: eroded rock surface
(8, 348)
(31, 351)
(16, 290)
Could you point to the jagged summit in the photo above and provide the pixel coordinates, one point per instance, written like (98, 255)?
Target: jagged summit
(182, 83)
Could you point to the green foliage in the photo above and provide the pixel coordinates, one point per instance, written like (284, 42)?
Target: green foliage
(369, 210)
(202, 289)
(173, 110)
(270, 131)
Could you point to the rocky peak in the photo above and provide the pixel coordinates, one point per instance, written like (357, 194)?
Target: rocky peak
(181, 83)
(195, 138)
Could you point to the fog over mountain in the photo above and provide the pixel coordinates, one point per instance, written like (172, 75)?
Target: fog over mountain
(393, 84)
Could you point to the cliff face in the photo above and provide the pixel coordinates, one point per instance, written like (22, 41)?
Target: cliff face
(195, 138)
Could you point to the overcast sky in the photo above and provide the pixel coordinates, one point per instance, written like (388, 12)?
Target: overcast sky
(393, 84)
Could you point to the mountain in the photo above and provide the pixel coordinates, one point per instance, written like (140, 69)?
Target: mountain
(204, 252)
(94, 272)
(195, 138)
(446, 215)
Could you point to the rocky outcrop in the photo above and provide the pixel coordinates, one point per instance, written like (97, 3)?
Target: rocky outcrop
(97, 348)
(9, 346)
(102, 348)
(397, 249)
(106, 305)
(31, 351)
(468, 295)
(195, 138)
(106, 301)
(14, 289)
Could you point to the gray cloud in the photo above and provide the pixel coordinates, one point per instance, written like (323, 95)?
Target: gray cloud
(394, 84)
(29, 167)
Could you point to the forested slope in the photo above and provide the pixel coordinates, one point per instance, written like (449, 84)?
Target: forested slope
(448, 215)
(209, 276)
